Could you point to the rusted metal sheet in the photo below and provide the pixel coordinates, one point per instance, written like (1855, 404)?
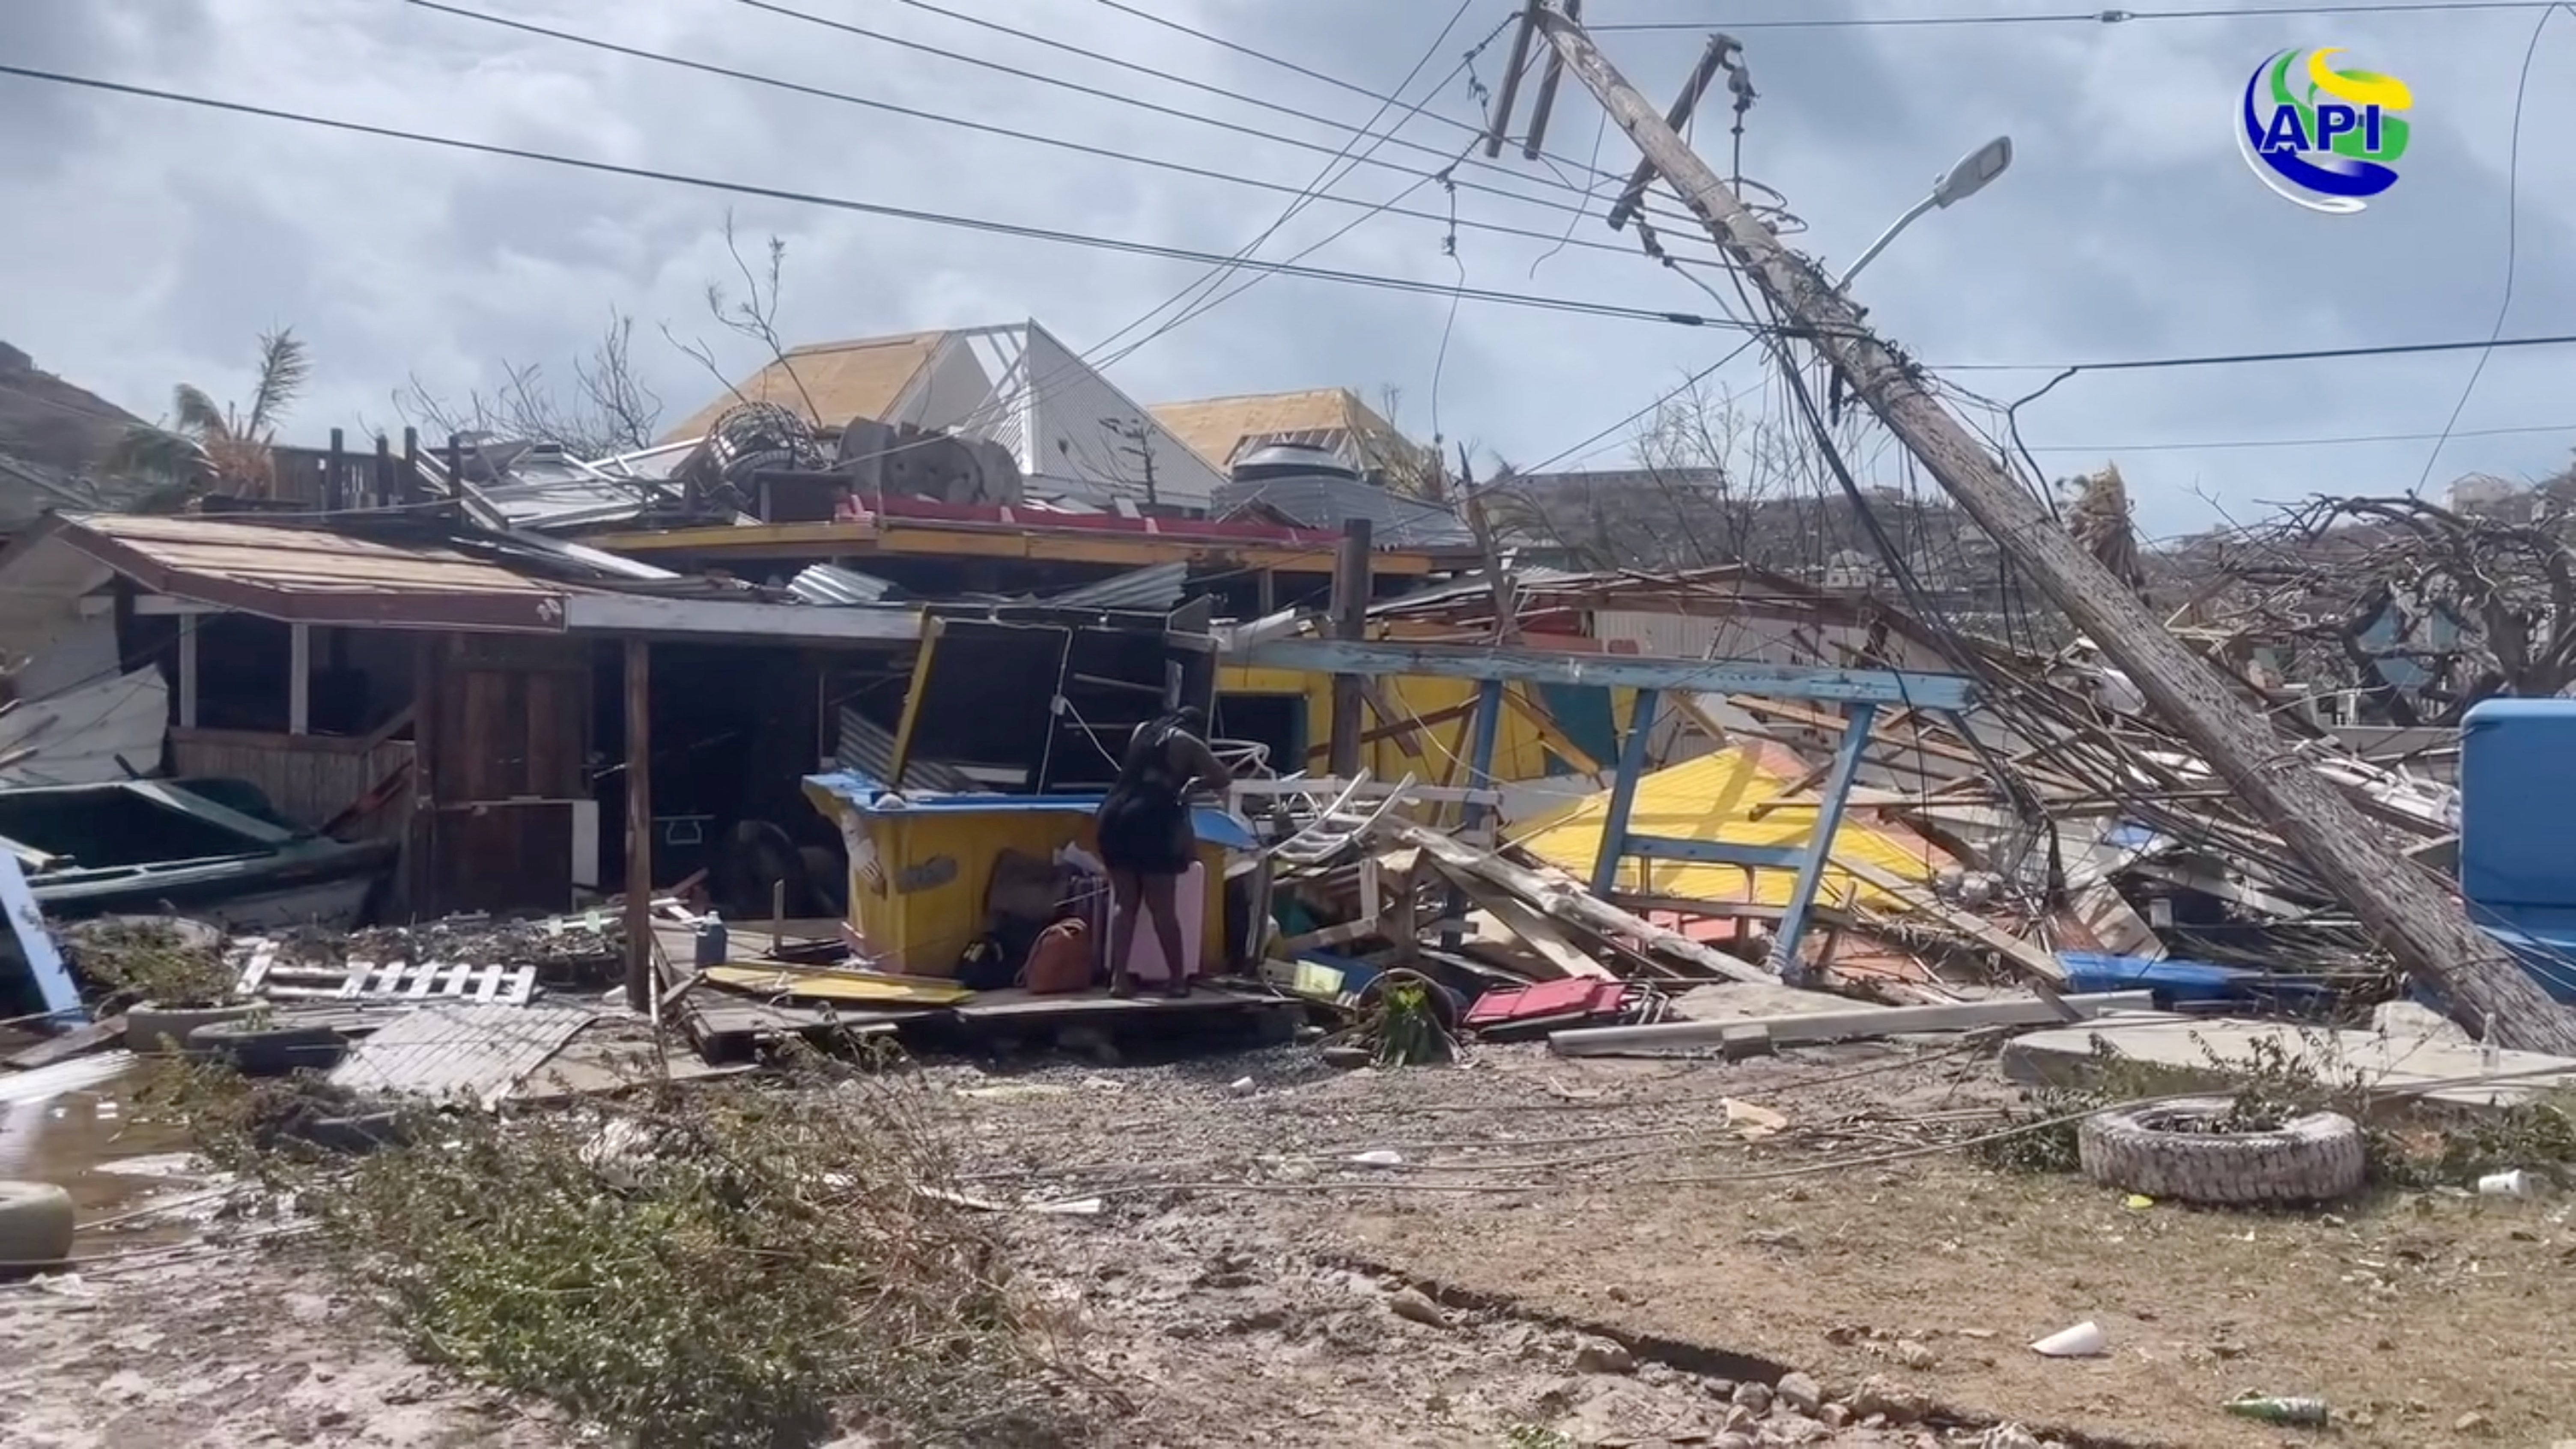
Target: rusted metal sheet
(474, 1052)
(310, 576)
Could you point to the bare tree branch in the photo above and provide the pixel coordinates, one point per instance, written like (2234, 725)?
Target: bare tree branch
(608, 410)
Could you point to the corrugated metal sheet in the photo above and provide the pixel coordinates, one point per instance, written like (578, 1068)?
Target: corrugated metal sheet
(1153, 589)
(76, 737)
(308, 575)
(1323, 501)
(827, 584)
(868, 750)
(1476, 586)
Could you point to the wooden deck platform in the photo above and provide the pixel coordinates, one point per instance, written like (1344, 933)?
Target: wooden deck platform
(730, 1025)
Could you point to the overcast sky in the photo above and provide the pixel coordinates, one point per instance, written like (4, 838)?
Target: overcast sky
(148, 243)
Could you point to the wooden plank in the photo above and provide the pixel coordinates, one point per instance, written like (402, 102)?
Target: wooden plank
(79, 1041)
(491, 986)
(1533, 929)
(263, 958)
(521, 986)
(424, 980)
(354, 984)
(1570, 903)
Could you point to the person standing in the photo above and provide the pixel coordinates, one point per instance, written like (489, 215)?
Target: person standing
(1147, 841)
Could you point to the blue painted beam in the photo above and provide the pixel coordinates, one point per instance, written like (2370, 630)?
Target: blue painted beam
(1623, 795)
(1717, 852)
(1830, 798)
(1622, 671)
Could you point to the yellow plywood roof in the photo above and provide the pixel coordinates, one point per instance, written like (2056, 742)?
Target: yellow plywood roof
(1213, 427)
(1712, 798)
(827, 382)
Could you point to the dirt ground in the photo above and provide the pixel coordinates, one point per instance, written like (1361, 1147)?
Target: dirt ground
(1607, 1257)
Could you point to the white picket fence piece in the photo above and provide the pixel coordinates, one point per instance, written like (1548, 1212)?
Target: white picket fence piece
(264, 973)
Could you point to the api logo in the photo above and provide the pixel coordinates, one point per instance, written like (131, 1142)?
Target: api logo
(2327, 139)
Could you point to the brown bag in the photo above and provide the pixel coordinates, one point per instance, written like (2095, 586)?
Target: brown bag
(1061, 960)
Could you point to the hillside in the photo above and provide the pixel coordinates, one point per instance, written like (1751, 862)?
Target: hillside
(51, 433)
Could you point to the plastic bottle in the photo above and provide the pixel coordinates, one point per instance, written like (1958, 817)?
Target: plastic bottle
(2274, 1409)
(711, 943)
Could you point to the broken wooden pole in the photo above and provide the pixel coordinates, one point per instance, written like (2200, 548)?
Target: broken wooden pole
(1501, 125)
(2405, 908)
(1632, 197)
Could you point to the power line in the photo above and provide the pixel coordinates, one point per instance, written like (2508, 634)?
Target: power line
(2233, 359)
(1324, 180)
(2068, 17)
(1266, 58)
(1231, 178)
(868, 208)
(2339, 440)
(2512, 244)
(1174, 112)
(1092, 359)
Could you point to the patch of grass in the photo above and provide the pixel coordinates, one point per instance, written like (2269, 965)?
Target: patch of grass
(734, 1268)
(2456, 1148)
(2277, 1080)
(137, 961)
(1535, 1436)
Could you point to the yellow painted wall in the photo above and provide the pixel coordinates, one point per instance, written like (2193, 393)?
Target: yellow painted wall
(922, 932)
(1519, 754)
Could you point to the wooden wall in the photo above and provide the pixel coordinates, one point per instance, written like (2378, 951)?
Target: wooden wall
(309, 778)
(507, 719)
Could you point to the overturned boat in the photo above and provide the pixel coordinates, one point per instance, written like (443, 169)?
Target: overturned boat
(212, 849)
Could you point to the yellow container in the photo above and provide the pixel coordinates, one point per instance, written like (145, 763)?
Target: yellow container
(920, 867)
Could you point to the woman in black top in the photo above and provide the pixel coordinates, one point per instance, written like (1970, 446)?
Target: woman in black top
(1146, 838)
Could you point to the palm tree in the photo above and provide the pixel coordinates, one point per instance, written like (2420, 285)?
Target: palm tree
(203, 446)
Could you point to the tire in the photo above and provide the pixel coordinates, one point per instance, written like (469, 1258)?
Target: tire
(2317, 1158)
(270, 1051)
(35, 1227)
(164, 1030)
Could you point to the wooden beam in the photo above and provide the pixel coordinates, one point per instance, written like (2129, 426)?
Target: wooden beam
(1568, 902)
(188, 673)
(1350, 626)
(299, 679)
(639, 825)
(1550, 733)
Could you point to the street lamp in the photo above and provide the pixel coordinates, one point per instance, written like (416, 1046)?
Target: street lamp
(1964, 180)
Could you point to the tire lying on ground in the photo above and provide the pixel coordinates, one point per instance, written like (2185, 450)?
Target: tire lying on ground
(35, 1227)
(258, 1050)
(163, 1030)
(2174, 1151)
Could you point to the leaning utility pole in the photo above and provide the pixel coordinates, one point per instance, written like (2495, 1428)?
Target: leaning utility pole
(2411, 915)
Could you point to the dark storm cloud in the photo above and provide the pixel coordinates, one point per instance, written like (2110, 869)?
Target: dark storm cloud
(45, 127)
